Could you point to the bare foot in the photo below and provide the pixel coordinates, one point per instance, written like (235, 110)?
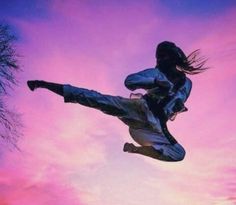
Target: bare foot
(129, 147)
(33, 84)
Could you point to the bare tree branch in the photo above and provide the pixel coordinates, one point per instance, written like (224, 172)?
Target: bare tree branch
(10, 123)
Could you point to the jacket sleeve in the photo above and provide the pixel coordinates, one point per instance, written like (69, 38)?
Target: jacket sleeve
(176, 104)
(147, 80)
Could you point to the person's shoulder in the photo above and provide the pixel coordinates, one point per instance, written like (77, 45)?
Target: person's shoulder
(159, 72)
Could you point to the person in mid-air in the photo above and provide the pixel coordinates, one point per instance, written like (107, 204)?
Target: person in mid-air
(167, 89)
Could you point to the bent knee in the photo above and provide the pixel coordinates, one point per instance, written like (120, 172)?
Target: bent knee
(181, 155)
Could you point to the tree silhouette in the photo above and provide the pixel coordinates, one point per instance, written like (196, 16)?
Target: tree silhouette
(10, 122)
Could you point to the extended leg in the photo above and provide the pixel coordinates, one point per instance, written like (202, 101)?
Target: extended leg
(112, 105)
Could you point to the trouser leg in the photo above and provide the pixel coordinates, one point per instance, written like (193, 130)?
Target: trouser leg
(147, 151)
(111, 105)
(153, 153)
(129, 111)
(166, 132)
(169, 153)
(132, 112)
(155, 145)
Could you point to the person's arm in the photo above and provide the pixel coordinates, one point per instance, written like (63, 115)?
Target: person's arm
(176, 104)
(184, 91)
(147, 79)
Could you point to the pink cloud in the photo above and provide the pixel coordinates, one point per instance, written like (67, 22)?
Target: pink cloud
(20, 190)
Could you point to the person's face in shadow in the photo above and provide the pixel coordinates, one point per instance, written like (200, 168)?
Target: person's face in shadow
(165, 60)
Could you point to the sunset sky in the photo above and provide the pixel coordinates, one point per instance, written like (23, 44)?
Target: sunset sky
(73, 154)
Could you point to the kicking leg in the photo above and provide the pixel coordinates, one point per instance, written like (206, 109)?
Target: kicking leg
(132, 112)
(112, 105)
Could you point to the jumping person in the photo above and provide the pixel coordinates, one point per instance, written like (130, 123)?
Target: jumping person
(167, 88)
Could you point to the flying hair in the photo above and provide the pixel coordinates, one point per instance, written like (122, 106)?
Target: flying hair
(192, 64)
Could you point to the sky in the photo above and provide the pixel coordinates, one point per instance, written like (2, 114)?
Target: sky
(72, 154)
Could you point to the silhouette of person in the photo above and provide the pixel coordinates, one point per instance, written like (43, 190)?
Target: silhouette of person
(167, 89)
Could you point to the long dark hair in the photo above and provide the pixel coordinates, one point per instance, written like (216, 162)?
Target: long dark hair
(191, 64)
